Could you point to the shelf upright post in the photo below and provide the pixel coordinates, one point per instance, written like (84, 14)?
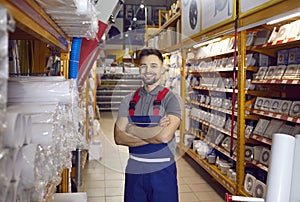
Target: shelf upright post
(241, 111)
(64, 61)
(182, 94)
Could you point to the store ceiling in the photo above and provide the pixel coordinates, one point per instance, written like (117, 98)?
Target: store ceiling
(151, 2)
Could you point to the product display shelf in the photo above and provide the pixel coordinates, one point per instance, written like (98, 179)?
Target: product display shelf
(261, 139)
(220, 149)
(277, 81)
(167, 37)
(171, 22)
(227, 132)
(212, 170)
(26, 14)
(277, 116)
(258, 165)
(287, 87)
(225, 90)
(219, 109)
(272, 47)
(114, 87)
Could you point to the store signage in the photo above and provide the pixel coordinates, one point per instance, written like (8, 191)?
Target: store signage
(190, 18)
(216, 12)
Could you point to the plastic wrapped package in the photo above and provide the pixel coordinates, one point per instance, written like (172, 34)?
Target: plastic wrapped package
(4, 68)
(15, 156)
(5, 173)
(54, 126)
(3, 105)
(33, 108)
(57, 3)
(3, 19)
(38, 91)
(3, 45)
(42, 134)
(12, 191)
(78, 18)
(14, 136)
(37, 170)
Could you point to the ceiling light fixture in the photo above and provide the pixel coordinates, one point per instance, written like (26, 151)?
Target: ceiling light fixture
(207, 42)
(142, 5)
(283, 18)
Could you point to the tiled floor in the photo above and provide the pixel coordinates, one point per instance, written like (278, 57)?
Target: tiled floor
(103, 179)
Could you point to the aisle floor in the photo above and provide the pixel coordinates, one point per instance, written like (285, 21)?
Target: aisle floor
(103, 179)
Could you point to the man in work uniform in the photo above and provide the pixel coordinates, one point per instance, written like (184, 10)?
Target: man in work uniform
(146, 123)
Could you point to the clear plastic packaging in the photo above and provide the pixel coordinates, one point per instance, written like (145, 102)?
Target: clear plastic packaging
(54, 127)
(5, 173)
(38, 91)
(3, 19)
(3, 67)
(77, 18)
(3, 45)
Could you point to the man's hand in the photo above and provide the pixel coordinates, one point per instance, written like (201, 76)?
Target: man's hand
(164, 121)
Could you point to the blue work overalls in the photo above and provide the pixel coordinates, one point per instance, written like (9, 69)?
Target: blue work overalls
(151, 174)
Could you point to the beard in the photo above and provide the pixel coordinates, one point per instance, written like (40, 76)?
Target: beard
(149, 78)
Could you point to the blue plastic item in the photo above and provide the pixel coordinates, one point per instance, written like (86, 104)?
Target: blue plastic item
(74, 58)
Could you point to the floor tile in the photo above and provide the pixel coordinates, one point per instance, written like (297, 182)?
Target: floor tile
(114, 199)
(96, 199)
(94, 184)
(114, 183)
(200, 187)
(187, 197)
(203, 195)
(114, 191)
(95, 192)
(184, 188)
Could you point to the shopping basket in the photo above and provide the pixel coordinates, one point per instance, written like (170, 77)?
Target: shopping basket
(230, 198)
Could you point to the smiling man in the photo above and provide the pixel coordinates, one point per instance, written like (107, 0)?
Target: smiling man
(146, 123)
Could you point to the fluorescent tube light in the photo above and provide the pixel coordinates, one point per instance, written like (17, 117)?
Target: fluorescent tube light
(284, 18)
(207, 42)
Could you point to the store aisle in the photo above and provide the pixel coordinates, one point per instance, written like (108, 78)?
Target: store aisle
(103, 179)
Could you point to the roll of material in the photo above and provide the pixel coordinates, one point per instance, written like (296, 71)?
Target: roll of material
(28, 165)
(33, 108)
(14, 135)
(280, 168)
(295, 194)
(16, 163)
(38, 91)
(6, 165)
(12, 191)
(42, 134)
(28, 129)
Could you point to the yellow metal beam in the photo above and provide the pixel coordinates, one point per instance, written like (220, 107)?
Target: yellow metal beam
(241, 112)
(182, 93)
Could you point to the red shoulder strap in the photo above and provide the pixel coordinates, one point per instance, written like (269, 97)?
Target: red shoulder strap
(134, 101)
(157, 102)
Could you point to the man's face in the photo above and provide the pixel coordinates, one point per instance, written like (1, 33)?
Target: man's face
(151, 69)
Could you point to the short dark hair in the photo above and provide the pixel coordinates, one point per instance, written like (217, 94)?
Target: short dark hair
(150, 51)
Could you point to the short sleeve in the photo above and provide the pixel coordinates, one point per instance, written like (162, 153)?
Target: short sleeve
(124, 106)
(174, 105)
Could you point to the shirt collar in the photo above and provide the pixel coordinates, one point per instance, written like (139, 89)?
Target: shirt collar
(154, 91)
